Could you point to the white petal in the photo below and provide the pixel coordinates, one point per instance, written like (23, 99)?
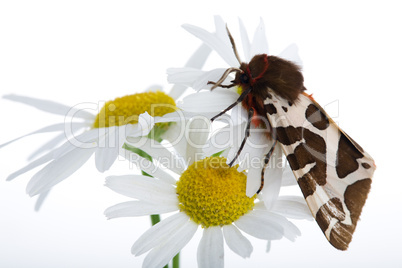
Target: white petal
(159, 153)
(154, 88)
(245, 41)
(291, 53)
(225, 153)
(237, 242)
(183, 76)
(197, 131)
(290, 230)
(75, 128)
(195, 78)
(252, 160)
(88, 139)
(143, 188)
(50, 145)
(268, 246)
(170, 246)
(175, 136)
(197, 60)
(220, 30)
(148, 167)
(41, 198)
(108, 148)
(215, 43)
(255, 224)
(58, 170)
(147, 122)
(293, 207)
(142, 128)
(219, 141)
(158, 233)
(51, 128)
(253, 180)
(176, 116)
(210, 252)
(138, 208)
(105, 157)
(259, 44)
(40, 161)
(238, 136)
(222, 34)
(144, 121)
(49, 106)
(255, 149)
(239, 115)
(288, 178)
(208, 101)
(213, 75)
(273, 177)
(252, 156)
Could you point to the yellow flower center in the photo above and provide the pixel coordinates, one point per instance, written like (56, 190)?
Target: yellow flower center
(126, 110)
(213, 194)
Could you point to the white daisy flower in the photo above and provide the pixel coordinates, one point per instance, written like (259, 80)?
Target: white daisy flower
(208, 194)
(103, 135)
(231, 136)
(83, 134)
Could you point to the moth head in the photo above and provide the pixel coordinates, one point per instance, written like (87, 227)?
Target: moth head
(251, 73)
(263, 71)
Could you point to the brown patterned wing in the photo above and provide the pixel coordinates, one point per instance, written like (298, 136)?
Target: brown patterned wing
(333, 172)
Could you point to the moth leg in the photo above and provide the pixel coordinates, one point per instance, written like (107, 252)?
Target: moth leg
(247, 134)
(266, 161)
(225, 74)
(222, 86)
(240, 99)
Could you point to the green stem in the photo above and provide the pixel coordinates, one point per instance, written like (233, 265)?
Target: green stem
(176, 261)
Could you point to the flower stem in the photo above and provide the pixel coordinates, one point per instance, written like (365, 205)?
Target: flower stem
(176, 261)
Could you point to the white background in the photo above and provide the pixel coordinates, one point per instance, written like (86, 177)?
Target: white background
(86, 51)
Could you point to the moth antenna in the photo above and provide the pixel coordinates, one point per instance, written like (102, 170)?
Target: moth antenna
(225, 74)
(233, 45)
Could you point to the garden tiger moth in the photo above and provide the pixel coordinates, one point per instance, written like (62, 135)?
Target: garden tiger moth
(332, 170)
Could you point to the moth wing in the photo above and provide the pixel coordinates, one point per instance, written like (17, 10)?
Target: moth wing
(333, 172)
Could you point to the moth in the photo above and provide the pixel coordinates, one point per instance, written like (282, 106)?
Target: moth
(334, 173)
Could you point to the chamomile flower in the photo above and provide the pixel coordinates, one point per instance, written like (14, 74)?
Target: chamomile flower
(231, 136)
(84, 134)
(102, 134)
(208, 194)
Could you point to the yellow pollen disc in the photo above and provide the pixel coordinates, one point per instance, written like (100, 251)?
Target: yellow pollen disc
(126, 110)
(213, 194)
